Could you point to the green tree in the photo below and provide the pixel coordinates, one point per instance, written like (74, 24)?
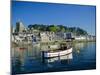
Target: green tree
(53, 28)
(57, 28)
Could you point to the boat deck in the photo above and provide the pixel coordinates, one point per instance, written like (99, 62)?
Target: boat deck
(57, 50)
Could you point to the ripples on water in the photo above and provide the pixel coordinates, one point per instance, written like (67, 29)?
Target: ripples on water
(29, 60)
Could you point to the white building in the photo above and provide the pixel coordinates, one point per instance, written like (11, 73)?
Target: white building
(80, 38)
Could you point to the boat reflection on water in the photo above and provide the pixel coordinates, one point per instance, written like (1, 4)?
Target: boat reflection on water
(58, 59)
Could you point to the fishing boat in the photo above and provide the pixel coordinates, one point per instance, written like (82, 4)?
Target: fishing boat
(56, 53)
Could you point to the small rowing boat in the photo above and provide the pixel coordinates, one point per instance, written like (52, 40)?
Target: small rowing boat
(22, 48)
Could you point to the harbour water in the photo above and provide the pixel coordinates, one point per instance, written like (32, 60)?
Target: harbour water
(29, 60)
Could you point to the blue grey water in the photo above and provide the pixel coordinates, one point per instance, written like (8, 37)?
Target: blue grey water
(30, 60)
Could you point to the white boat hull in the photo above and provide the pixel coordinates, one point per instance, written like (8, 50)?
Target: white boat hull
(55, 54)
(64, 57)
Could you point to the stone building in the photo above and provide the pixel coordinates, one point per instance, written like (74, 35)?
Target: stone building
(44, 37)
(20, 28)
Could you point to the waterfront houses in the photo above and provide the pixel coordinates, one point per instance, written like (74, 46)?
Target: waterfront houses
(85, 38)
(21, 33)
(90, 38)
(47, 36)
(80, 38)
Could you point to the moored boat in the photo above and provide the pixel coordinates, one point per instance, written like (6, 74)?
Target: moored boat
(22, 48)
(59, 52)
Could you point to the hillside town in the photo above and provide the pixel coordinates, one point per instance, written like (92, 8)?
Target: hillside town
(21, 33)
